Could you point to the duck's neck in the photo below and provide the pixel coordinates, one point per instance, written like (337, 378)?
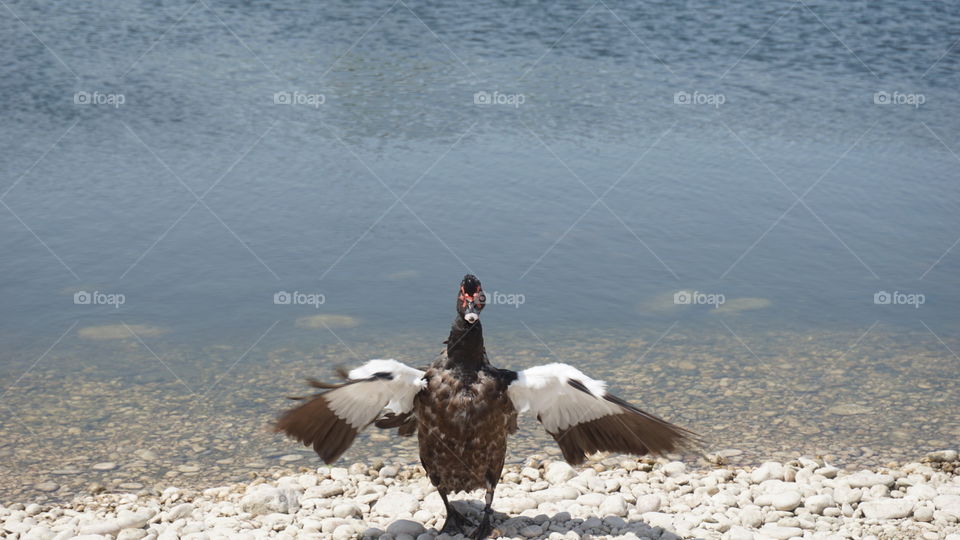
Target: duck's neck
(465, 346)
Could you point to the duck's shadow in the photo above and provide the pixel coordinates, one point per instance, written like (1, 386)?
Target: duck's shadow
(507, 525)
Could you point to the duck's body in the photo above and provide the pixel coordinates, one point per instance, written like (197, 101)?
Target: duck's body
(462, 427)
(462, 409)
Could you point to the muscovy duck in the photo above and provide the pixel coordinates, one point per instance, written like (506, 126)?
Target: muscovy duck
(462, 410)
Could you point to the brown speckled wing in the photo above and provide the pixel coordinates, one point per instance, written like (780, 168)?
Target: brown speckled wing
(329, 421)
(314, 424)
(633, 431)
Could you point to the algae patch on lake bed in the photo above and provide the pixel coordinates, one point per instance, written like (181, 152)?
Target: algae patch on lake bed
(120, 331)
(736, 305)
(328, 321)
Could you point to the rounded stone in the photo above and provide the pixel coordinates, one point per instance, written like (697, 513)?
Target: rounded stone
(47, 486)
(531, 531)
(614, 505)
(348, 509)
(786, 501)
(395, 503)
(647, 503)
(405, 526)
(389, 471)
(674, 468)
(887, 508)
(943, 455)
(558, 472)
(816, 504)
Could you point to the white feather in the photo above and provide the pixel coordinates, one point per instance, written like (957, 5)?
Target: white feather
(361, 402)
(544, 391)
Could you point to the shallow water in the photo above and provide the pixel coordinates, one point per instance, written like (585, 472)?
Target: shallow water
(801, 182)
(752, 396)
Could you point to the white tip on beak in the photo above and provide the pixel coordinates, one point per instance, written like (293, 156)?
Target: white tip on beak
(471, 317)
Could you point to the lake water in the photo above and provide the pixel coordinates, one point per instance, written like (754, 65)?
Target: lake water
(743, 216)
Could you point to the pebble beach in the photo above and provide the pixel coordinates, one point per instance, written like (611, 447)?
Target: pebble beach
(615, 498)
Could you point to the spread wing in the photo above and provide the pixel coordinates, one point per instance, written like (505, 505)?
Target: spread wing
(583, 418)
(329, 421)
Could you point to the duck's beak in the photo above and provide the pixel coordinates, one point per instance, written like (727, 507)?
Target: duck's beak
(471, 317)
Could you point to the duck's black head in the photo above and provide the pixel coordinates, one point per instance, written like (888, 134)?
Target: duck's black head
(465, 351)
(470, 299)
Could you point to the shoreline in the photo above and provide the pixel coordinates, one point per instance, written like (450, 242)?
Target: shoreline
(889, 400)
(617, 497)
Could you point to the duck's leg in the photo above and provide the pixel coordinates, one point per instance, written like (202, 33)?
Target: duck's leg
(455, 521)
(484, 529)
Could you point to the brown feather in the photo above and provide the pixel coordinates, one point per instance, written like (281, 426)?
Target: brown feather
(340, 438)
(324, 385)
(314, 424)
(405, 424)
(632, 431)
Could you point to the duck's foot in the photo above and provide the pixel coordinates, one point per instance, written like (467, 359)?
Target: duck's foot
(455, 523)
(484, 529)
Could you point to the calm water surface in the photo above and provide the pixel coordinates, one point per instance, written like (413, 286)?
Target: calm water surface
(796, 162)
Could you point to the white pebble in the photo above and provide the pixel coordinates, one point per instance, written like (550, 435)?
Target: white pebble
(770, 470)
(786, 501)
(751, 518)
(816, 504)
(887, 508)
(558, 472)
(395, 503)
(647, 503)
(345, 510)
(800, 498)
(614, 505)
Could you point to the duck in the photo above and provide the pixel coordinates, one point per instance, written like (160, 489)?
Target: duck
(462, 410)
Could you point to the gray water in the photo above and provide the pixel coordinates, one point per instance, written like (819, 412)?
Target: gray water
(298, 127)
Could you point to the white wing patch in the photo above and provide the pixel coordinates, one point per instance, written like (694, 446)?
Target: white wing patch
(545, 392)
(361, 402)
